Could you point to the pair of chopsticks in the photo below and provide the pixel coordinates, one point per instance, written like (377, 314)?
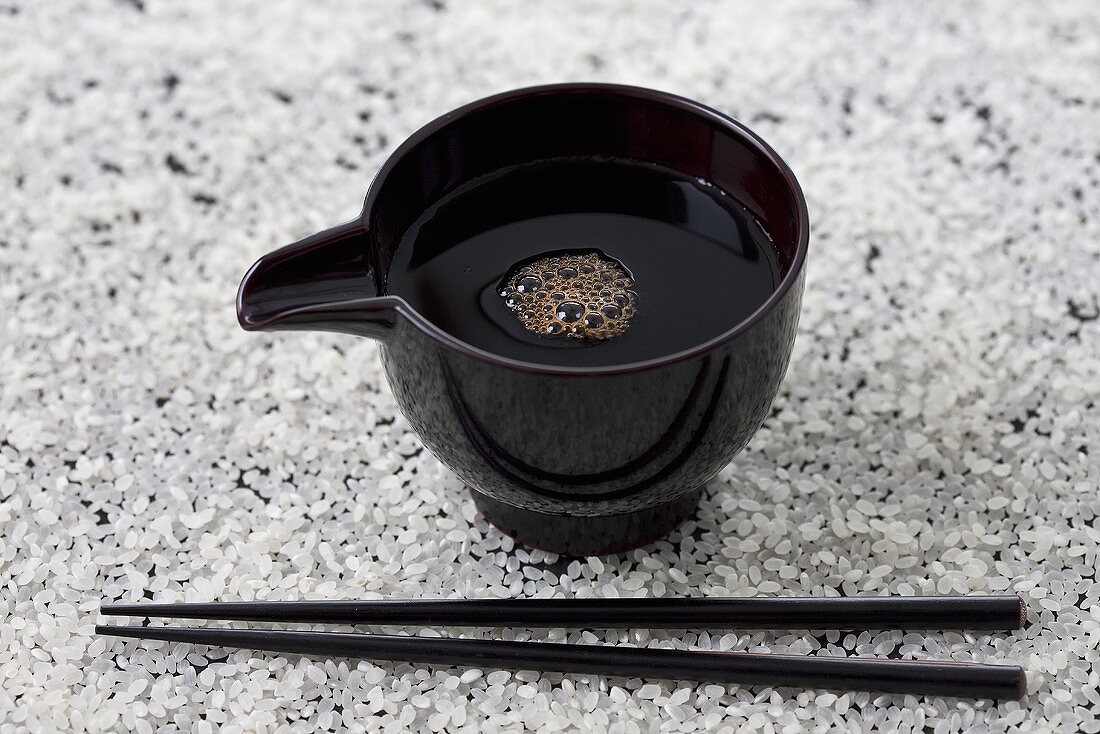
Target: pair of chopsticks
(943, 678)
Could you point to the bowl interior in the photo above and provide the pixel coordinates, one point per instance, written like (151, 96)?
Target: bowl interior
(570, 122)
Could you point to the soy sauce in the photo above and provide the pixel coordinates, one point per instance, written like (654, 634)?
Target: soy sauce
(498, 263)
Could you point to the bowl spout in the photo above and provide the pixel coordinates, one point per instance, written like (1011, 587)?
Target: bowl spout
(325, 282)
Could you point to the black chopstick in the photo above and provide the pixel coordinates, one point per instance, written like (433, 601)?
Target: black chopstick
(963, 680)
(847, 613)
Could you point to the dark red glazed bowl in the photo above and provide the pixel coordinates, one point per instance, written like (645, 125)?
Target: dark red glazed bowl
(658, 429)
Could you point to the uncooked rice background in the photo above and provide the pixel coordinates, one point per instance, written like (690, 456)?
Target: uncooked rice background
(937, 432)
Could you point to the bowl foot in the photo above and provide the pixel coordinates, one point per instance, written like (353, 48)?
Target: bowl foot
(570, 535)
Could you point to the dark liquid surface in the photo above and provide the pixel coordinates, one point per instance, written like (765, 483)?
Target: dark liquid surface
(700, 264)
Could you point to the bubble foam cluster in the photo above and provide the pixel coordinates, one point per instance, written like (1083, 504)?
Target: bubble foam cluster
(582, 295)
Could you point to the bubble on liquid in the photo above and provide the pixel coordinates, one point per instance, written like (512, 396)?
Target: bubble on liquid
(570, 311)
(528, 284)
(584, 295)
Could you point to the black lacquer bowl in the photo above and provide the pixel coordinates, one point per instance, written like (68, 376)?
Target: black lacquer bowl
(655, 431)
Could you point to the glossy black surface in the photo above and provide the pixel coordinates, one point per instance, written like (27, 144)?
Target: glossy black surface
(656, 429)
(773, 613)
(916, 677)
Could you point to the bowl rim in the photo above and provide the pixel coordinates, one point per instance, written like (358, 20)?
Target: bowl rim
(737, 129)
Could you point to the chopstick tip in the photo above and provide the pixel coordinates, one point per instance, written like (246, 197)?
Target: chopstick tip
(122, 610)
(120, 630)
(1023, 613)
